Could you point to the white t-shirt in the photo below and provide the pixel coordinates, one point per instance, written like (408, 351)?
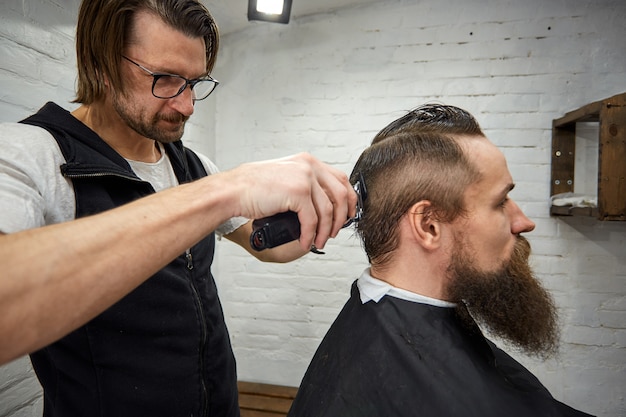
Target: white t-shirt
(33, 193)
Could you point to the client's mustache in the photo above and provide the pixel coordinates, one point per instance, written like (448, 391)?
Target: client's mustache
(521, 250)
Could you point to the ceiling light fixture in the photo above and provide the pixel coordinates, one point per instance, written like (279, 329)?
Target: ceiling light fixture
(276, 11)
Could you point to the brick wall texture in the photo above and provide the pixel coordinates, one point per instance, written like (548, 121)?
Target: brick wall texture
(325, 84)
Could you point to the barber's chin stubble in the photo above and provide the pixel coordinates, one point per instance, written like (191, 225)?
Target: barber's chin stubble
(510, 303)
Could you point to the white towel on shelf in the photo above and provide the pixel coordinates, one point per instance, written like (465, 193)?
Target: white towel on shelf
(574, 200)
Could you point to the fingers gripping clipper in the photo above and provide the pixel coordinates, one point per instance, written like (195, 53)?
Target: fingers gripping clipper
(282, 228)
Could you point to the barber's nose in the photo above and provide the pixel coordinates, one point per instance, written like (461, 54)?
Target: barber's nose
(183, 102)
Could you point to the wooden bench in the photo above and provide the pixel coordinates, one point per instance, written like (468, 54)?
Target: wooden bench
(264, 400)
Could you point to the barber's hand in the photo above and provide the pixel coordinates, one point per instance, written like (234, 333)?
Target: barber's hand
(320, 194)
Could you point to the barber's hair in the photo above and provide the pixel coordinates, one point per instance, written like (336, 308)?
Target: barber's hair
(105, 28)
(418, 157)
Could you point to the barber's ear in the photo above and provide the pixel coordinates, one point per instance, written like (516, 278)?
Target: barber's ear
(426, 229)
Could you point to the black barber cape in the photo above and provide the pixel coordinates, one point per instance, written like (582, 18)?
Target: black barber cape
(399, 358)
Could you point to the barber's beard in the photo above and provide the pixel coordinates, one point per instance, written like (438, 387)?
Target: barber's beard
(147, 127)
(509, 303)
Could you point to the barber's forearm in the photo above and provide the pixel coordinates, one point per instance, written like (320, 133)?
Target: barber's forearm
(58, 277)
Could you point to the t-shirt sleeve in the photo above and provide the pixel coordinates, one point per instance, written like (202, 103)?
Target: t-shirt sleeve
(233, 223)
(33, 192)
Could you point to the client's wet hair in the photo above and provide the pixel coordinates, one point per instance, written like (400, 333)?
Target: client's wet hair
(416, 157)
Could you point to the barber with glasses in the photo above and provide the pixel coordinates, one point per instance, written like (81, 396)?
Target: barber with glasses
(170, 85)
(108, 223)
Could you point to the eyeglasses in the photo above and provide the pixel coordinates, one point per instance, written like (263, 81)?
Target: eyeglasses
(170, 85)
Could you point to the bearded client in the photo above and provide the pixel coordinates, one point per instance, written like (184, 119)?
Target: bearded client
(445, 245)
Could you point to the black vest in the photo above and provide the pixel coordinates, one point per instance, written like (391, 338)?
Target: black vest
(163, 350)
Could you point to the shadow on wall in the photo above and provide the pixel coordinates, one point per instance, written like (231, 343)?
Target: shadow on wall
(608, 236)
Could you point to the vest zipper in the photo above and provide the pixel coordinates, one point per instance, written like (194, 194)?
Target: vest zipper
(203, 340)
(189, 259)
(101, 174)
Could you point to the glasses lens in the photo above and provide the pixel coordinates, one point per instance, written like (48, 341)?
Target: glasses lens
(203, 88)
(167, 86)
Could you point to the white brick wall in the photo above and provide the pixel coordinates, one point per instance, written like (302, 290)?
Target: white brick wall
(326, 84)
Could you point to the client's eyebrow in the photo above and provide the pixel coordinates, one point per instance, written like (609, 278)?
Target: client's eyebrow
(506, 190)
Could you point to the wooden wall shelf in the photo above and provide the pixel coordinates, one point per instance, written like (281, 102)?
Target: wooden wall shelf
(611, 175)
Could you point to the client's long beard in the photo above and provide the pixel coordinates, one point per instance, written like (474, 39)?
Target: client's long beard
(510, 303)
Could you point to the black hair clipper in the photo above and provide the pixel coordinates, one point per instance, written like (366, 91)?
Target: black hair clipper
(282, 228)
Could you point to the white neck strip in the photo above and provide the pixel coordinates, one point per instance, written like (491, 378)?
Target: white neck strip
(372, 289)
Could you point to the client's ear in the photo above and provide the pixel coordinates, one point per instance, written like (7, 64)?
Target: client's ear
(426, 229)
